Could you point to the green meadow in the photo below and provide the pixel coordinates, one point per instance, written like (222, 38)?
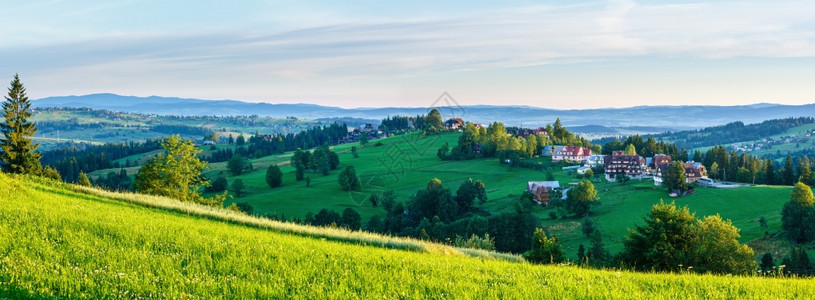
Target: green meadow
(404, 164)
(63, 241)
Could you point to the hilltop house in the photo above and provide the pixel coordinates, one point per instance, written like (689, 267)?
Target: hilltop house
(540, 190)
(694, 172)
(526, 132)
(454, 124)
(618, 164)
(571, 153)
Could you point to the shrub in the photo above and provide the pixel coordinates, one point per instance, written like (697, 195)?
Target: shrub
(274, 177)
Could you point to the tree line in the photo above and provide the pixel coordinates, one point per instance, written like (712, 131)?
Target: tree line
(495, 141)
(729, 133)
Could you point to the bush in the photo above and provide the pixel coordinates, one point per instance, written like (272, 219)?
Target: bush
(348, 179)
(274, 177)
(476, 242)
(238, 187)
(588, 227)
(219, 185)
(245, 207)
(351, 219)
(238, 164)
(544, 250)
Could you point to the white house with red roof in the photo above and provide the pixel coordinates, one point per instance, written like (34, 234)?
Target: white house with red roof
(572, 153)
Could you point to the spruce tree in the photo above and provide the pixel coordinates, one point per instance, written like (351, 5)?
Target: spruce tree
(16, 142)
(83, 179)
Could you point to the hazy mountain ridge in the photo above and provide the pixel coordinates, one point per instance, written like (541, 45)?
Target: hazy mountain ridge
(657, 117)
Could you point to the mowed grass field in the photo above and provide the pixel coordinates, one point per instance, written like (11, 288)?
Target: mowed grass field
(58, 242)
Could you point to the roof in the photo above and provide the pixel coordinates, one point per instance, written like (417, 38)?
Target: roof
(455, 120)
(573, 150)
(533, 185)
(690, 168)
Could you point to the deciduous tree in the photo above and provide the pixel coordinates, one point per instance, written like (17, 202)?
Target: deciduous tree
(674, 178)
(176, 173)
(798, 215)
(580, 198)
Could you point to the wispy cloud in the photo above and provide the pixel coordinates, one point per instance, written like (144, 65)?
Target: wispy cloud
(350, 48)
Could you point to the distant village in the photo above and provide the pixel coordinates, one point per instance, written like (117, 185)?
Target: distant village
(768, 143)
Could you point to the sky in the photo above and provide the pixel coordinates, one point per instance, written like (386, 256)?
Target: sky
(560, 54)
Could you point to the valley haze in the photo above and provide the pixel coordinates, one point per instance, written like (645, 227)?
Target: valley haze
(659, 118)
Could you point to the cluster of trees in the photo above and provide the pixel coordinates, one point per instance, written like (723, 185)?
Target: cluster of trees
(218, 185)
(71, 160)
(322, 160)
(673, 239)
(314, 137)
(798, 215)
(740, 167)
(238, 164)
(401, 123)
(350, 219)
(496, 141)
(177, 173)
(644, 147)
(113, 181)
(579, 200)
(435, 213)
(798, 222)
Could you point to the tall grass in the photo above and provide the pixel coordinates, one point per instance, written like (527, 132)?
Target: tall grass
(56, 242)
(328, 233)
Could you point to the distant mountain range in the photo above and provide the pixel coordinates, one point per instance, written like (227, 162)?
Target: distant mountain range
(595, 121)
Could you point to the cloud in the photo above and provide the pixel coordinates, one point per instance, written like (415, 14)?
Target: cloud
(353, 48)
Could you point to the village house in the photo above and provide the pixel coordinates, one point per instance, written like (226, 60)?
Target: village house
(477, 149)
(618, 164)
(654, 162)
(454, 124)
(526, 132)
(570, 153)
(595, 160)
(694, 172)
(547, 150)
(540, 190)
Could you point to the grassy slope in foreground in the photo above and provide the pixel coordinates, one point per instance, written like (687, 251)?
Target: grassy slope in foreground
(55, 242)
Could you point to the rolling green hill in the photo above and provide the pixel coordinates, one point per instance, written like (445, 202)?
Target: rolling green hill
(63, 241)
(405, 164)
(58, 126)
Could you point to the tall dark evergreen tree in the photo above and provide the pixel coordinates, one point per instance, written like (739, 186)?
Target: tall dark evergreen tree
(17, 146)
(770, 172)
(787, 172)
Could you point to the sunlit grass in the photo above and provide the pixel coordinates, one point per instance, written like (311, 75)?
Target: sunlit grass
(61, 241)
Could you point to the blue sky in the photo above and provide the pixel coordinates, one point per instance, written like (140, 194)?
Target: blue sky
(562, 54)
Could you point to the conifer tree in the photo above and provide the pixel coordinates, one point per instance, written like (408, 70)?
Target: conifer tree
(83, 179)
(16, 142)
